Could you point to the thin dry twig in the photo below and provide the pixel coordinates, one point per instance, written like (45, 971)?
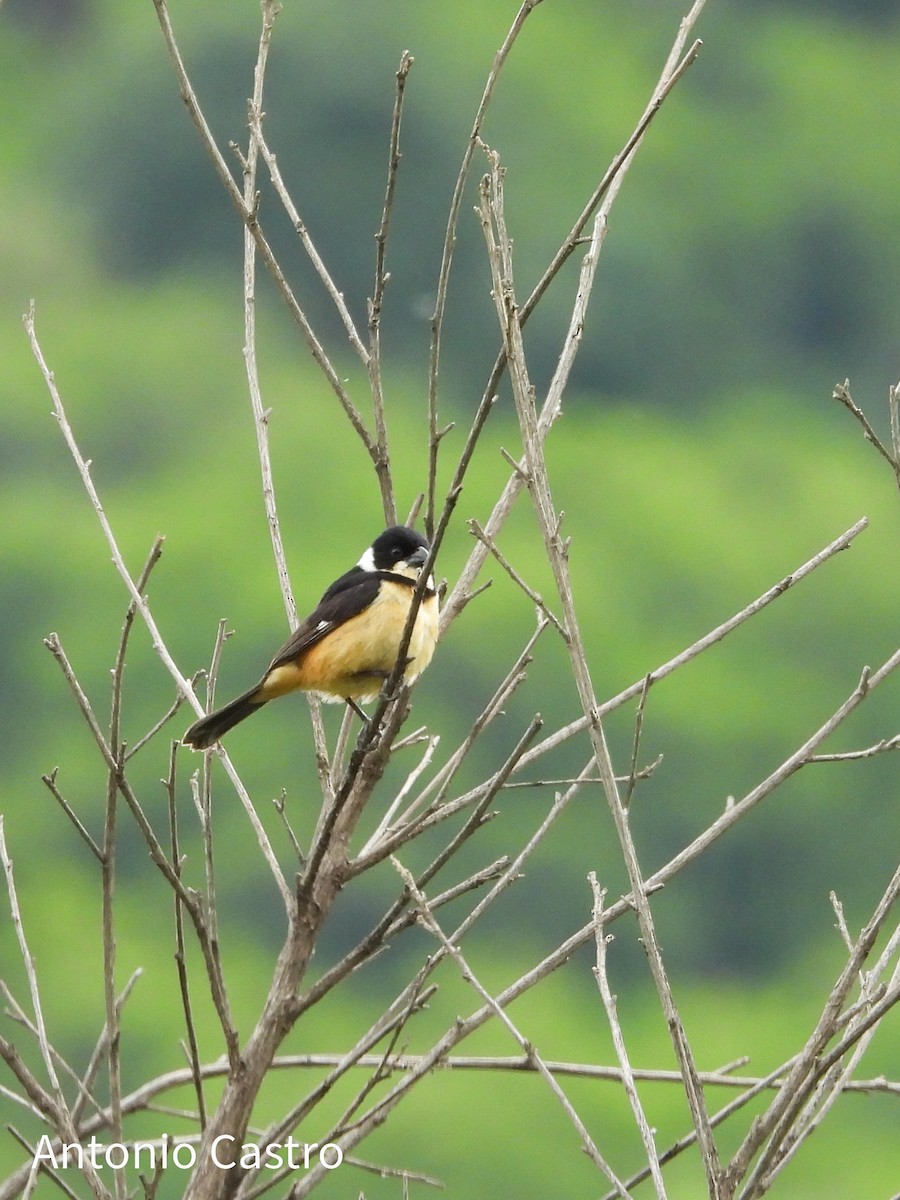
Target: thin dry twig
(52, 1103)
(49, 781)
(770, 1129)
(892, 457)
(843, 542)
(260, 413)
(601, 974)
(31, 974)
(180, 955)
(437, 319)
(373, 362)
(334, 293)
(142, 607)
(633, 773)
(451, 948)
(250, 217)
(499, 247)
(514, 575)
(882, 747)
(604, 195)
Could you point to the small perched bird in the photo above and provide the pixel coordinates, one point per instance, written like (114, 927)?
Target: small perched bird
(348, 646)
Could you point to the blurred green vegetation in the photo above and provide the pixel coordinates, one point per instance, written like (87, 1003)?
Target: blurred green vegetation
(751, 263)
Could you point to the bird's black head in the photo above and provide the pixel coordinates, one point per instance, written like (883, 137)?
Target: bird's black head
(397, 548)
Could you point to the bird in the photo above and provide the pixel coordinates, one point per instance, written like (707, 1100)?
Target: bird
(349, 644)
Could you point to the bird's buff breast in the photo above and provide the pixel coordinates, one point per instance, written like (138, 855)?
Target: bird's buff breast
(355, 659)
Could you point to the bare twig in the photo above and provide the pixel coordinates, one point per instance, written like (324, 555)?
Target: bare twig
(50, 783)
(300, 228)
(601, 974)
(28, 961)
(154, 729)
(52, 1103)
(772, 1126)
(438, 786)
(704, 643)
(514, 575)
(85, 1084)
(250, 218)
(373, 360)
(452, 949)
(280, 804)
(604, 194)
(404, 790)
(391, 921)
(180, 958)
(882, 747)
(385, 1025)
(108, 867)
(260, 414)
(499, 248)
(437, 320)
(142, 607)
(633, 773)
(16, 1013)
(891, 457)
(157, 853)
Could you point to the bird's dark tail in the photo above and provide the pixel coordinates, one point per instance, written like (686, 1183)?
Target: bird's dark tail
(209, 729)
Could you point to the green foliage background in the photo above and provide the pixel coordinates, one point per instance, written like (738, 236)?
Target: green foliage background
(751, 263)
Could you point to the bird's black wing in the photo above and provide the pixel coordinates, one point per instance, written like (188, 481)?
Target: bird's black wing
(356, 592)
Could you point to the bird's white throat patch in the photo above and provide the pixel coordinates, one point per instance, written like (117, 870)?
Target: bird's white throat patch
(367, 562)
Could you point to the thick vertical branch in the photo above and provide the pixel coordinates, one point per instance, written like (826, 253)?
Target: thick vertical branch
(437, 320)
(500, 256)
(604, 195)
(280, 1010)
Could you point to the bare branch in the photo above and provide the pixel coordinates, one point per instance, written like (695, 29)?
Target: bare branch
(451, 948)
(52, 1103)
(50, 782)
(180, 959)
(773, 1125)
(842, 394)
(373, 360)
(601, 974)
(437, 320)
(142, 607)
(499, 247)
(249, 217)
(605, 193)
(334, 294)
(514, 575)
(882, 747)
(260, 413)
(704, 643)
